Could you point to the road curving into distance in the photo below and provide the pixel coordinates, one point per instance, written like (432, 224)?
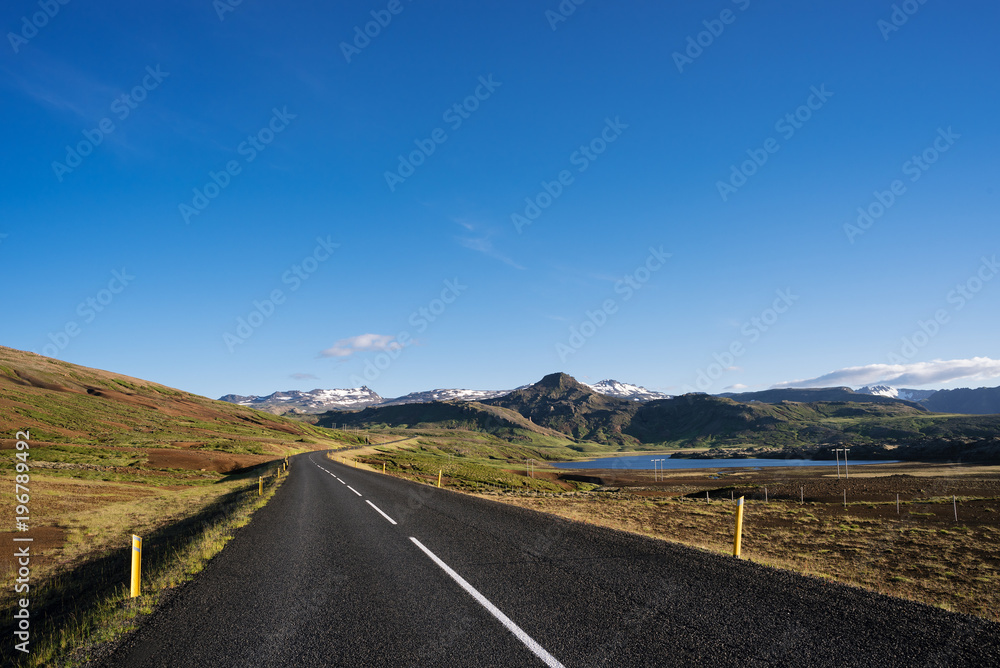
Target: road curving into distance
(348, 567)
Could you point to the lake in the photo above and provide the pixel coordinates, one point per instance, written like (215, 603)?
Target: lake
(645, 462)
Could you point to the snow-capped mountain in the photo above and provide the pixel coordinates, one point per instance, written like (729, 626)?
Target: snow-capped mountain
(896, 393)
(445, 395)
(320, 401)
(314, 401)
(613, 388)
(879, 391)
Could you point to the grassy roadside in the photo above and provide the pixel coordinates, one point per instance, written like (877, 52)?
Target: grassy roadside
(83, 602)
(466, 460)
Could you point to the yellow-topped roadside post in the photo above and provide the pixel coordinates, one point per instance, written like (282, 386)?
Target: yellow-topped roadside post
(136, 563)
(439, 477)
(260, 486)
(739, 528)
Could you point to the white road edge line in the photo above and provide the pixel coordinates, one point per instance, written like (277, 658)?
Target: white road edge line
(341, 481)
(379, 511)
(353, 490)
(539, 651)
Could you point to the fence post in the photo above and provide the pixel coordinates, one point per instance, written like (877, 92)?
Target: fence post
(738, 539)
(136, 563)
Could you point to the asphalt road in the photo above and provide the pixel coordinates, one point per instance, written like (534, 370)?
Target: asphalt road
(346, 567)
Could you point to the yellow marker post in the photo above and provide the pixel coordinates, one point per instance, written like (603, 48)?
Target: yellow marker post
(439, 477)
(739, 528)
(136, 563)
(260, 486)
(383, 467)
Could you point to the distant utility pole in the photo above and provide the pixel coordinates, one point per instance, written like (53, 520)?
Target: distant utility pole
(846, 474)
(529, 467)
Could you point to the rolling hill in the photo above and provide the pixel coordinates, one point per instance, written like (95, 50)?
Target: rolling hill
(812, 394)
(128, 420)
(979, 401)
(456, 414)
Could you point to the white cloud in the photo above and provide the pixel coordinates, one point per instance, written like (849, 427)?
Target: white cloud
(361, 343)
(303, 376)
(909, 375)
(737, 386)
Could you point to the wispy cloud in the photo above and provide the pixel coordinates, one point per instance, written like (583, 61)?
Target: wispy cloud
(914, 374)
(303, 376)
(59, 86)
(361, 343)
(483, 243)
(737, 386)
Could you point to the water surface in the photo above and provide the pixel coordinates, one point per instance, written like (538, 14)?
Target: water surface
(645, 462)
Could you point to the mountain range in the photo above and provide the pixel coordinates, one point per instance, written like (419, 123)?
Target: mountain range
(877, 427)
(319, 401)
(981, 401)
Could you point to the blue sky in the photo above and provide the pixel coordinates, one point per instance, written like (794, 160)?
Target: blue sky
(251, 198)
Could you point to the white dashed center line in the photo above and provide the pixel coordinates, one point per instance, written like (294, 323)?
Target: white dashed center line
(495, 611)
(379, 511)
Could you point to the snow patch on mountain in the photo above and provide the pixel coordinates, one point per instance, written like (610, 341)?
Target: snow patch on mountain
(619, 390)
(896, 393)
(314, 401)
(445, 395)
(879, 391)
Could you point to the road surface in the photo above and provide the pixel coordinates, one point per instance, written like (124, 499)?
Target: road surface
(347, 567)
